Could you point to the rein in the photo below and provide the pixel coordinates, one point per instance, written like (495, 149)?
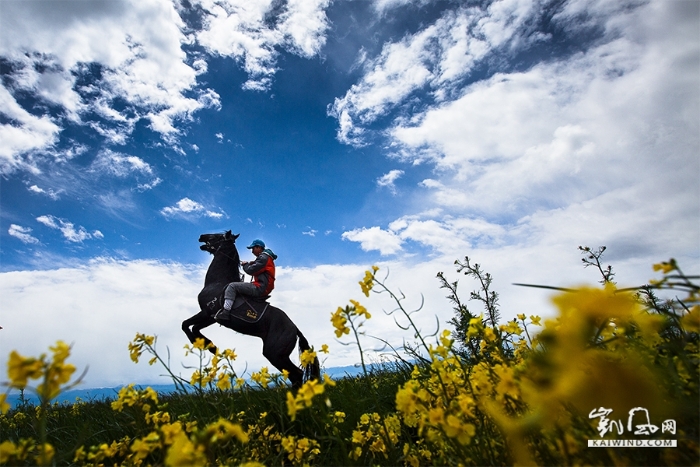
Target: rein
(226, 255)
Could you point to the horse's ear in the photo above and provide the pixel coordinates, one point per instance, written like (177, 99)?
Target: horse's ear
(236, 236)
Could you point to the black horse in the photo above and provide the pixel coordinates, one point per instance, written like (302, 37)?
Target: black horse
(278, 332)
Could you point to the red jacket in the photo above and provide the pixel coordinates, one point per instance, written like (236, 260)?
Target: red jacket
(263, 271)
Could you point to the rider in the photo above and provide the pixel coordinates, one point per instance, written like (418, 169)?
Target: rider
(262, 270)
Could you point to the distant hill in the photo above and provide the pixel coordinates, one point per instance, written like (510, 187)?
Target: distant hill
(99, 394)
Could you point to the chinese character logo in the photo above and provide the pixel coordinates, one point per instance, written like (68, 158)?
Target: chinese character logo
(638, 422)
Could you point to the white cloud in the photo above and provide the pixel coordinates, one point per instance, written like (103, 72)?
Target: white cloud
(387, 180)
(310, 232)
(50, 192)
(137, 47)
(566, 131)
(436, 57)
(382, 6)
(120, 165)
(98, 308)
(375, 238)
(432, 229)
(150, 185)
(185, 205)
(68, 229)
(19, 140)
(304, 24)
(189, 208)
(22, 233)
(599, 148)
(240, 29)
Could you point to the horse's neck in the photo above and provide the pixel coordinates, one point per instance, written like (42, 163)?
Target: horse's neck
(223, 268)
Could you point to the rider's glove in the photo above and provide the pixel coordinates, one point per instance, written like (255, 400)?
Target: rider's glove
(228, 303)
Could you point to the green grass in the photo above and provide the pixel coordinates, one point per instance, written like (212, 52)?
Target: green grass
(92, 423)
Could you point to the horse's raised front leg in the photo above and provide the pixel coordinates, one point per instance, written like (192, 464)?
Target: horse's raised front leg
(193, 326)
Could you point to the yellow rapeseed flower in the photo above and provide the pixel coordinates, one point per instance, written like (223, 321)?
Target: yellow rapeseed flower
(476, 325)
(170, 431)
(368, 281)
(136, 347)
(20, 369)
(360, 310)
(307, 357)
(327, 380)
(300, 451)
(378, 446)
(4, 406)
(199, 344)
(339, 322)
(262, 377)
(666, 266)
(223, 430)
(158, 418)
(512, 327)
(46, 453)
(184, 452)
(293, 406)
(142, 447)
(224, 382)
(61, 351)
(229, 354)
(691, 320)
(8, 450)
(129, 396)
(596, 304)
(358, 437)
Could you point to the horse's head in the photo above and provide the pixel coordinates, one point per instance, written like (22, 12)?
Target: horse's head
(225, 265)
(213, 242)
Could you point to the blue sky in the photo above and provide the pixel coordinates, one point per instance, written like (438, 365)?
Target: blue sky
(404, 133)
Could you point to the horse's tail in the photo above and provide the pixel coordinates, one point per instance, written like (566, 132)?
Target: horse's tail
(311, 370)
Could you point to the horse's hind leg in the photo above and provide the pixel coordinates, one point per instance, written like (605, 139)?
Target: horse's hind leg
(277, 346)
(281, 361)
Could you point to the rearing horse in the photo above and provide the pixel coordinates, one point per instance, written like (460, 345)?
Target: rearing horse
(278, 332)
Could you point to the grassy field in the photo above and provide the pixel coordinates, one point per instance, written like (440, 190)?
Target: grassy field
(95, 423)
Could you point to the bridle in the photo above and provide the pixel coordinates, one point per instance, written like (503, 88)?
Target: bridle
(220, 242)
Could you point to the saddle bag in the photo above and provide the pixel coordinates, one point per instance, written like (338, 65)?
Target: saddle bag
(247, 309)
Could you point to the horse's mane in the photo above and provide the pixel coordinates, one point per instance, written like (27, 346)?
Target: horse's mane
(225, 266)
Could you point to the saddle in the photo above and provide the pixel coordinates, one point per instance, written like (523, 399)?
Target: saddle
(248, 309)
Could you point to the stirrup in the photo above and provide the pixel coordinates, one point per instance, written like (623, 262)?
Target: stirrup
(221, 315)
